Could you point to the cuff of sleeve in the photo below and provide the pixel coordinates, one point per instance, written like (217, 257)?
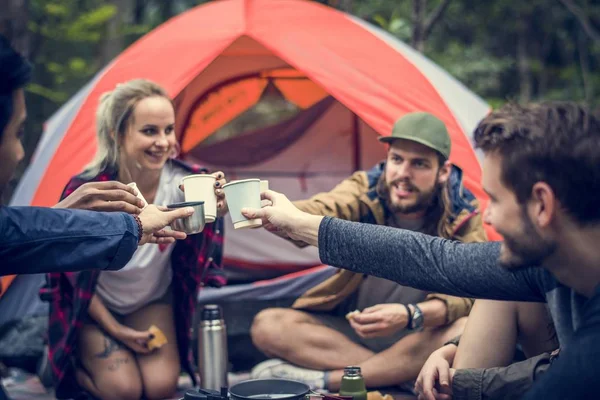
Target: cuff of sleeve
(323, 238)
(466, 384)
(128, 244)
(457, 307)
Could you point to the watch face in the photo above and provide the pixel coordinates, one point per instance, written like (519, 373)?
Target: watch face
(417, 322)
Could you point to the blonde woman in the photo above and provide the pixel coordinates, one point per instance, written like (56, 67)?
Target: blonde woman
(98, 334)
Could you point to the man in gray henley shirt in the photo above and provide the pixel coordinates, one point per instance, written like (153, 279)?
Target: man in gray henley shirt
(541, 173)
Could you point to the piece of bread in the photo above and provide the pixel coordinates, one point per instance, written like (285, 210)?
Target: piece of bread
(378, 396)
(159, 338)
(352, 314)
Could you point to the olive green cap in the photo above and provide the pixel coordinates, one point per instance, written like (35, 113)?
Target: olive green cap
(424, 128)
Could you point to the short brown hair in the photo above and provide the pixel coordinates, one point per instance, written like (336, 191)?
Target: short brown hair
(557, 143)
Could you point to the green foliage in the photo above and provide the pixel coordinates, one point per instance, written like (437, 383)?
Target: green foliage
(476, 41)
(480, 71)
(89, 27)
(395, 24)
(67, 38)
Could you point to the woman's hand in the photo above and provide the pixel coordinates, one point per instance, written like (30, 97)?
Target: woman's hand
(222, 208)
(135, 340)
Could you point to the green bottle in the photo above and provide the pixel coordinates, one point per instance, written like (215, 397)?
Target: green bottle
(353, 384)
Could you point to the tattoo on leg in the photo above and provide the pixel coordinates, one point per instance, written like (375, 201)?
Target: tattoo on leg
(110, 346)
(113, 366)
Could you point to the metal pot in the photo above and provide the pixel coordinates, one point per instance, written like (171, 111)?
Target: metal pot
(192, 224)
(269, 389)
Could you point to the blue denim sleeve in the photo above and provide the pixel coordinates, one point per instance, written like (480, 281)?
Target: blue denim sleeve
(36, 240)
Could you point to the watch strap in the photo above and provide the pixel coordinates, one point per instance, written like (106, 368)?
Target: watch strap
(410, 316)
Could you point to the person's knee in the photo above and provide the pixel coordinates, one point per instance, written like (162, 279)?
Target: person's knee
(110, 386)
(162, 386)
(268, 326)
(121, 389)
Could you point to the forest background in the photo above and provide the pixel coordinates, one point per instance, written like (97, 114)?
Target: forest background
(501, 49)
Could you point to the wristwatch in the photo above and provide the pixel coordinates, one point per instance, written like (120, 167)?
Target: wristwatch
(416, 322)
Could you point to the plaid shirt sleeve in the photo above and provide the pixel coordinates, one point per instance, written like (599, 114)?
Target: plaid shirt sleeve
(68, 295)
(211, 258)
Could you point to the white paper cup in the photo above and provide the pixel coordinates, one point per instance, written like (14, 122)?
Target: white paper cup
(242, 194)
(264, 186)
(202, 188)
(139, 194)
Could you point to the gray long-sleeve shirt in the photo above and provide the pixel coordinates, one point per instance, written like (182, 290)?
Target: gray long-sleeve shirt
(469, 270)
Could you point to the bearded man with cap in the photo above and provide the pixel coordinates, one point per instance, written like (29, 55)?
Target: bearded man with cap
(387, 329)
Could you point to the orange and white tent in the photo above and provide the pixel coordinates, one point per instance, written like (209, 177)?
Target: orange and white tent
(286, 90)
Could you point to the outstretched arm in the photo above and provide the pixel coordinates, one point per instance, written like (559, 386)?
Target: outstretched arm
(409, 258)
(424, 262)
(35, 240)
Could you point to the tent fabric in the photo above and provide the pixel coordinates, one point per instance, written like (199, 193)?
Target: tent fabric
(359, 69)
(251, 149)
(224, 103)
(369, 76)
(290, 286)
(467, 108)
(21, 299)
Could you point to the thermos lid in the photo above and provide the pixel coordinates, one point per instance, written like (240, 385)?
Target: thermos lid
(352, 371)
(211, 312)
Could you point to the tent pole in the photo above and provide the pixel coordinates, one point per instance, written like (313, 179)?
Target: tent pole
(356, 142)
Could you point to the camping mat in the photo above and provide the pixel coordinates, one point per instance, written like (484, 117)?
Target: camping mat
(24, 386)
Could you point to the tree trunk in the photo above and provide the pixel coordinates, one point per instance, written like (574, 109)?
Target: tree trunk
(13, 24)
(342, 5)
(166, 10)
(423, 24)
(418, 22)
(114, 41)
(582, 49)
(524, 67)
(543, 52)
(346, 6)
(139, 11)
(583, 19)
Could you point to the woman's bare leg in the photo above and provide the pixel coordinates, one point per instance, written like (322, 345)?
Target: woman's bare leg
(110, 371)
(159, 369)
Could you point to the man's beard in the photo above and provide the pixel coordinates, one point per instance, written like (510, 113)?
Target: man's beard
(423, 201)
(526, 249)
